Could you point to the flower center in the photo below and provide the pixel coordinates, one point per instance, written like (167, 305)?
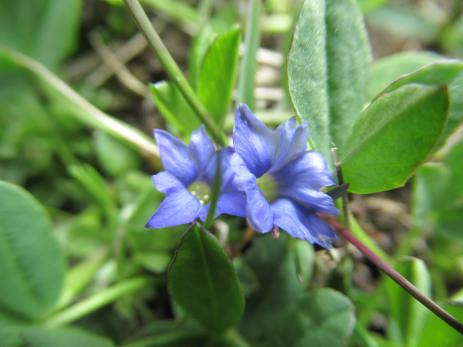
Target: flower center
(268, 186)
(201, 191)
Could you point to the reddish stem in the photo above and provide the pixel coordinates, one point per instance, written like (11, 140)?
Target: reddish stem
(394, 275)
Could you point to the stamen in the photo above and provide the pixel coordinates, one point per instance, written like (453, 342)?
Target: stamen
(201, 191)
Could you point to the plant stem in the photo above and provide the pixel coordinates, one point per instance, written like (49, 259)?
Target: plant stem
(96, 301)
(172, 69)
(394, 275)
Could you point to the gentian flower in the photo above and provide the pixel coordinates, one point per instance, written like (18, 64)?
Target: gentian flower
(282, 180)
(188, 178)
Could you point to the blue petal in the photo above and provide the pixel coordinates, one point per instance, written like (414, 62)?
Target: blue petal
(175, 157)
(258, 211)
(232, 203)
(178, 207)
(201, 148)
(226, 172)
(301, 224)
(313, 200)
(243, 178)
(308, 170)
(253, 141)
(292, 143)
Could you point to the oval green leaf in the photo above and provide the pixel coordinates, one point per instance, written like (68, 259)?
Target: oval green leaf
(203, 282)
(328, 69)
(394, 135)
(31, 263)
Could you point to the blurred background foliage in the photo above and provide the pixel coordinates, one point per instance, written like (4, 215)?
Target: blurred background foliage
(95, 184)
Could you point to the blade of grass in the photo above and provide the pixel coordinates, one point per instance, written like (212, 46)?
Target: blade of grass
(247, 76)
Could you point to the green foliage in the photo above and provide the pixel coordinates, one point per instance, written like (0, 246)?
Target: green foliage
(173, 107)
(408, 315)
(282, 312)
(213, 67)
(31, 262)
(144, 287)
(405, 22)
(438, 195)
(43, 29)
(203, 282)
(394, 135)
(72, 337)
(106, 146)
(327, 69)
(218, 74)
(247, 81)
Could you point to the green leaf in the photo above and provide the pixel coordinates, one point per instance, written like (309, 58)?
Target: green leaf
(203, 282)
(434, 74)
(394, 135)
(328, 68)
(384, 71)
(438, 333)
(438, 195)
(247, 79)
(200, 46)
(69, 337)
(218, 74)
(43, 29)
(408, 315)
(173, 107)
(31, 262)
(427, 69)
(322, 317)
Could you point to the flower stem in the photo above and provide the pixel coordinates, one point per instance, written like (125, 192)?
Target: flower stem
(397, 277)
(172, 69)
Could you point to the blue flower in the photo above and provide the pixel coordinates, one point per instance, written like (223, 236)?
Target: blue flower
(188, 178)
(282, 180)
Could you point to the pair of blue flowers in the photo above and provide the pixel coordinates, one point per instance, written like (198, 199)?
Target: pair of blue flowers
(268, 177)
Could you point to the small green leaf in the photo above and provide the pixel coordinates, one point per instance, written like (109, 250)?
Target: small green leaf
(203, 282)
(247, 79)
(173, 107)
(438, 73)
(408, 315)
(427, 69)
(328, 68)
(69, 337)
(201, 44)
(31, 263)
(394, 135)
(386, 70)
(218, 74)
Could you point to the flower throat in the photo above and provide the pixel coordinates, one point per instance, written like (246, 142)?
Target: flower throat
(201, 191)
(268, 186)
